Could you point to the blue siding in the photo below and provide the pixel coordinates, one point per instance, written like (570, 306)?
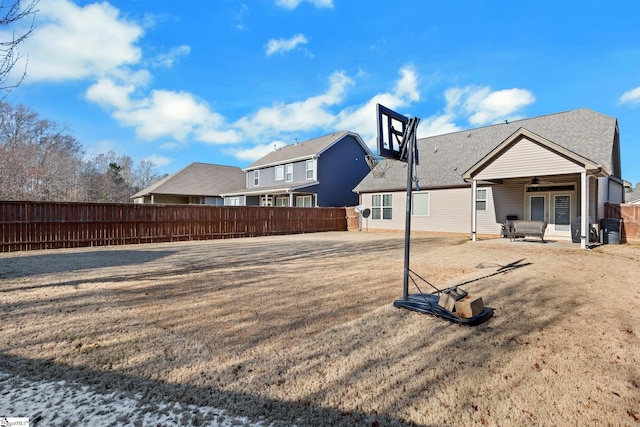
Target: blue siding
(340, 169)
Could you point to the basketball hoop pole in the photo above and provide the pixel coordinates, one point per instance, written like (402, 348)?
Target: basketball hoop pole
(411, 151)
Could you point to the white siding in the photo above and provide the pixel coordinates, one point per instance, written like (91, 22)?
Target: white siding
(526, 158)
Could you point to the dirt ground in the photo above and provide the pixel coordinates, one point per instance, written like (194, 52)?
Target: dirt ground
(301, 330)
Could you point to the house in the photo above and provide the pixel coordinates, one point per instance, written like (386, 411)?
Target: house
(553, 168)
(317, 172)
(633, 197)
(198, 184)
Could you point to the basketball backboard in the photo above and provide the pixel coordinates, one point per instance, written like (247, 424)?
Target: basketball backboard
(391, 129)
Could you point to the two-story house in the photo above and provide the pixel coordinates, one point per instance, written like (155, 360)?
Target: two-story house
(318, 172)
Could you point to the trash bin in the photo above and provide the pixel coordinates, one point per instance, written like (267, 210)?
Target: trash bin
(610, 229)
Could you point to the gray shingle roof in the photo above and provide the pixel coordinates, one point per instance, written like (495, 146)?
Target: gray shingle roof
(199, 179)
(633, 196)
(299, 150)
(444, 158)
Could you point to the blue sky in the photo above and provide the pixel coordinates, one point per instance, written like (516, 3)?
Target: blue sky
(224, 81)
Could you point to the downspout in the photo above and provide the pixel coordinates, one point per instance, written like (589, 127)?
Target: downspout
(474, 211)
(584, 209)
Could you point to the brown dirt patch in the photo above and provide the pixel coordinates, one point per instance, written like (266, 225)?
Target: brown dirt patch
(301, 329)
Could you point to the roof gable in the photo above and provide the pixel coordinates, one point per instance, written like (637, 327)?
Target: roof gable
(304, 150)
(524, 154)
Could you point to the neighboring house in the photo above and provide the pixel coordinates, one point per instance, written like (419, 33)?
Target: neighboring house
(553, 168)
(198, 184)
(633, 197)
(318, 172)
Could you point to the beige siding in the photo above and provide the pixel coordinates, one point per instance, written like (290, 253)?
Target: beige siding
(526, 158)
(602, 197)
(509, 199)
(616, 192)
(449, 211)
(593, 199)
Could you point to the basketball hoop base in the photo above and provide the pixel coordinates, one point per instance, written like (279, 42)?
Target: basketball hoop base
(428, 304)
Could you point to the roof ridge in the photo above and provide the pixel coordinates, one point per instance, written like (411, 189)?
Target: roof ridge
(473, 129)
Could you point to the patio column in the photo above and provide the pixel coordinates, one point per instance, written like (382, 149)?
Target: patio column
(584, 209)
(474, 212)
(290, 199)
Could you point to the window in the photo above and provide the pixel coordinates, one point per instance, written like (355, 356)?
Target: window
(279, 173)
(382, 206)
(310, 169)
(481, 200)
(288, 173)
(233, 201)
(282, 201)
(420, 204)
(303, 201)
(256, 178)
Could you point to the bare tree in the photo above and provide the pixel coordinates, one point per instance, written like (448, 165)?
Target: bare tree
(110, 178)
(38, 160)
(144, 175)
(12, 13)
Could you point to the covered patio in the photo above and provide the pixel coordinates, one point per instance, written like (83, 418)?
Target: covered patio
(534, 179)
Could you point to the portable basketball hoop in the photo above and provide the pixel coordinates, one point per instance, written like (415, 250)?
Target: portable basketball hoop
(397, 142)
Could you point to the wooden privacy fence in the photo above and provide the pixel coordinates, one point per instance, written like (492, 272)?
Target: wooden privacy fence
(630, 216)
(50, 225)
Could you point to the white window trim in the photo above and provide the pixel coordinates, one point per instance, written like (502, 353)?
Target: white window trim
(307, 197)
(482, 199)
(256, 177)
(428, 195)
(281, 169)
(281, 199)
(286, 172)
(312, 169)
(382, 206)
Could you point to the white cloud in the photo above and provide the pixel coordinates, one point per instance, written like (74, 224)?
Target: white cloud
(631, 96)
(292, 4)
(158, 161)
(362, 119)
(284, 45)
(107, 94)
(311, 113)
(168, 114)
(240, 17)
(256, 152)
(72, 42)
(483, 106)
(437, 125)
(168, 59)
(407, 86)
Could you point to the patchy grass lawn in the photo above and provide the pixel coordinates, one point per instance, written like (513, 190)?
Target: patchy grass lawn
(301, 329)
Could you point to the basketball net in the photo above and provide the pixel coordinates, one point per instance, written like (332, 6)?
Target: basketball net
(378, 165)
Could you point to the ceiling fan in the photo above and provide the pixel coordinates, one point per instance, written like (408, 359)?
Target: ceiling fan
(535, 181)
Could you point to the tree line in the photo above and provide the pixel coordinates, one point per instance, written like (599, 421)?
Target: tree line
(41, 161)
